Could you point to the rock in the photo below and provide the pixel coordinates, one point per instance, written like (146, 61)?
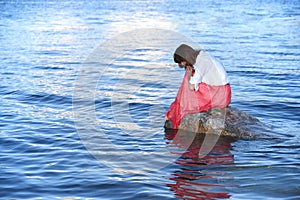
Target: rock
(223, 121)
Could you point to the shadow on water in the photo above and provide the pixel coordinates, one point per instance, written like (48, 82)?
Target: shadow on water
(199, 176)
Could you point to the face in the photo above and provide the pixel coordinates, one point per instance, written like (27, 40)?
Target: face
(182, 64)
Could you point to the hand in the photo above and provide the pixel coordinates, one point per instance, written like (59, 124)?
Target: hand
(189, 70)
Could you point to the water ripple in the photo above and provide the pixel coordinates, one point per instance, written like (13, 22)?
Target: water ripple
(43, 47)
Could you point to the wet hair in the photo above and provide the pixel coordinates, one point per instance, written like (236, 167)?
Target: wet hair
(186, 53)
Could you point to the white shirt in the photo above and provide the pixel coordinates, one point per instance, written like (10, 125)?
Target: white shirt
(208, 70)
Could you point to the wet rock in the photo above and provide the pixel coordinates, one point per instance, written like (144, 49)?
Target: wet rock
(223, 121)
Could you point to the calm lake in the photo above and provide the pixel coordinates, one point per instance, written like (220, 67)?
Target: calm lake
(85, 85)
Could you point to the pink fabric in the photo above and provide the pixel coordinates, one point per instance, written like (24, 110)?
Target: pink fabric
(189, 102)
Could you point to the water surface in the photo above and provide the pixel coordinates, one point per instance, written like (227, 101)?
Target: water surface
(46, 44)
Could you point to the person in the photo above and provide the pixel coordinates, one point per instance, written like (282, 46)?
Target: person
(205, 84)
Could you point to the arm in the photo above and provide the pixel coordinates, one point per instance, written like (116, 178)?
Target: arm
(189, 71)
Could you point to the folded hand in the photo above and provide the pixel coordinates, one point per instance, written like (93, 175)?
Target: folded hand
(189, 70)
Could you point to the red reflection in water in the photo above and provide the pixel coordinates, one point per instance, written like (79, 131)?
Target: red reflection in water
(197, 176)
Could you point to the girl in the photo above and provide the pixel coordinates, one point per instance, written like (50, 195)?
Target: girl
(204, 86)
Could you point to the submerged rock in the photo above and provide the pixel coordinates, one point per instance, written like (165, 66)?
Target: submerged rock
(223, 121)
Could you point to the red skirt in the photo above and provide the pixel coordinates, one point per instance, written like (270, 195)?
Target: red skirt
(189, 102)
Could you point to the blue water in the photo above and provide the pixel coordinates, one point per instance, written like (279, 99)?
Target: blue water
(73, 130)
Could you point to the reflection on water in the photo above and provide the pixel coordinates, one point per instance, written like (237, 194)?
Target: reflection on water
(198, 176)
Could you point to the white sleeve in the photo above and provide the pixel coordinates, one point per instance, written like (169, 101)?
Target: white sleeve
(196, 79)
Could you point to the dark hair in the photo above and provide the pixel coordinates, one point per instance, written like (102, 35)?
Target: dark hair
(186, 53)
(178, 58)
